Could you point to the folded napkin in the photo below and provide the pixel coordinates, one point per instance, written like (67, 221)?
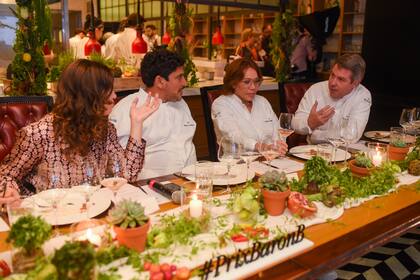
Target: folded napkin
(128, 191)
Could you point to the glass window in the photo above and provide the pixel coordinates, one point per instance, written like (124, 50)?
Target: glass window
(156, 9)
(147, 11)
(202, 9)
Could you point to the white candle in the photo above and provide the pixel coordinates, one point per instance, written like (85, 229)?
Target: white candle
(377, 159)
(196, 207)
(92, 237)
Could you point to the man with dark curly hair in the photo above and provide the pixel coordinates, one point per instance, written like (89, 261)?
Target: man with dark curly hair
(169, 132)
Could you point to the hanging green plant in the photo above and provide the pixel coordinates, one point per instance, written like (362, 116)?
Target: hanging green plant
(32, 35)
(180, 25)
(284, 33)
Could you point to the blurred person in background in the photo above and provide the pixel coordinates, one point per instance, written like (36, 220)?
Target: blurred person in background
(151, 37)
(98, 26)
(247, 47)
(111, 41)
(303, 52)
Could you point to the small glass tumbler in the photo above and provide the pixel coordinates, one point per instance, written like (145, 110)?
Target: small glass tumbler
(397, 136)
(325, 151)
(378, 153)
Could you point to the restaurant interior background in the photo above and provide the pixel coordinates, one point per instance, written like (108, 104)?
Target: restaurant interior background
(385, 32)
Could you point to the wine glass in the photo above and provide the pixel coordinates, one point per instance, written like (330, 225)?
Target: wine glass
(407, 118)
(348, 133)
(114, 176)
(229, 153)
(91, 182)
(269, 148)
(334, 137)
(416, 121)
(285, 122)
(249, 154)
(54, 195)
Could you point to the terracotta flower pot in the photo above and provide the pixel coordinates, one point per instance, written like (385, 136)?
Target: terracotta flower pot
(357, 170)
(275, 202)
(133, 238)
(397, 153)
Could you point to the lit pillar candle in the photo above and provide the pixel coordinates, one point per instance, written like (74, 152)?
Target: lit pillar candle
(92, 237)
(196, 207)
(377, 159)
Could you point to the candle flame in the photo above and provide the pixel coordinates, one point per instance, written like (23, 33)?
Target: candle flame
(194, 197)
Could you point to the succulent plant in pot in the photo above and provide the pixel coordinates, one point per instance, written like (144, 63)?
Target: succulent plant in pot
(398, 149)
(28, 234)
(361, 165)
(130, 224)
(275, 190)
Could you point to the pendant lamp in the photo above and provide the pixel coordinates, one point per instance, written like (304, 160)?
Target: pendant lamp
(139, 46)
(92, 45)
(217, 38)
(166, 38)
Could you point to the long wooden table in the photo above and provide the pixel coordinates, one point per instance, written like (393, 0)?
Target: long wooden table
(337, 242)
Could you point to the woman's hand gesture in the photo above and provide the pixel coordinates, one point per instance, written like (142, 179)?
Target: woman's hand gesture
(140, 112)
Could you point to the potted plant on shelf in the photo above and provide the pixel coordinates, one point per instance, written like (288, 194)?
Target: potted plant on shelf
(361, 165)
(28, 234)
(275, 190)
(397, 149)
(130, 224)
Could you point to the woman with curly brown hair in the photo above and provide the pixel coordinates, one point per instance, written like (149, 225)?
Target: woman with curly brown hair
(76, 132)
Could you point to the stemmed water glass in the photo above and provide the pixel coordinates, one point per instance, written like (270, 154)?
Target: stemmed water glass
(249, 154)
(416, 120)
(229, 153)
(407, 118)
(114, 175)
(55, 194)
(269, 148)
(285, 122)
(90, 181)
(334, 137)
(348, 133)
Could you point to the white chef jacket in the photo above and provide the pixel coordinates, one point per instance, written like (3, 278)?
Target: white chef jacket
(73, 42)
(122, 46)
(80, 49)
(232, 118)
(355, 106)
(110, 45)
(168, 134)
(151, 41)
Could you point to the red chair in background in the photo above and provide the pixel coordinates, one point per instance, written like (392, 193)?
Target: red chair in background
(17, 112)
(290, 96)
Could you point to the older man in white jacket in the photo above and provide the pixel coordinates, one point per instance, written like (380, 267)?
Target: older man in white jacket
(169, 132)
(340, 98)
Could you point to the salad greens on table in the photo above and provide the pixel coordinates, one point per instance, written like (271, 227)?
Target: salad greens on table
(320, 182)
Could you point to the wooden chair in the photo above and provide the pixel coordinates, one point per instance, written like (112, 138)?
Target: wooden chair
(17, 112)
(208, 95)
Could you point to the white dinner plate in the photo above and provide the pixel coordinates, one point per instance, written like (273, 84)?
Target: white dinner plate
(238, 174)
(378, 135)
(69, 208)
(308, 151)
